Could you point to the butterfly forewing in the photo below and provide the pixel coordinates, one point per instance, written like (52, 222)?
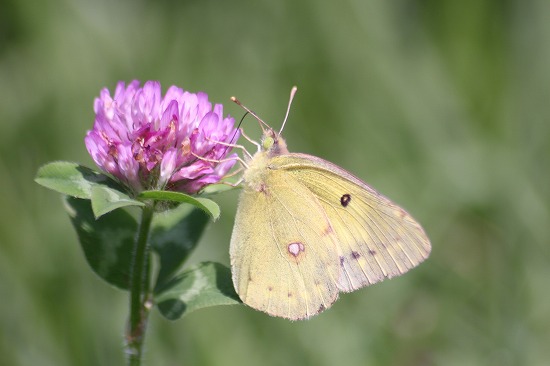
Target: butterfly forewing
(377, 239)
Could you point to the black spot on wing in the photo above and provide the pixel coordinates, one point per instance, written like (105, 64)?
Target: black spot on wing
(345, 200)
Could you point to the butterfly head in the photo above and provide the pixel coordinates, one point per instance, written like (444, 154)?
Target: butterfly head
(273, 144)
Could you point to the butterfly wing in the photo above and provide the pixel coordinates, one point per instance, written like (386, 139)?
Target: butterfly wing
(377, 238)
(284, 255)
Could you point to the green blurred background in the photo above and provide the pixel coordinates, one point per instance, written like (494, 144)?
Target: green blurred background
(444, 106)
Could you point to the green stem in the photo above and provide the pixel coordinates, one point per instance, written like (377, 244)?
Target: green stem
(139, 291)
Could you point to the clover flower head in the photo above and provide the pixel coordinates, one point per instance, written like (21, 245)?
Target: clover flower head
(148, 141)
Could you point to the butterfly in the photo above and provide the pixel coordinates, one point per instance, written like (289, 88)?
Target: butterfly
(306, 230)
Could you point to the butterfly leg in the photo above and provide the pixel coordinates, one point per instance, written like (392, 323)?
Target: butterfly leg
(232, 174)
(236, 184)
(235, 146)
(251, 140)
(217, 161)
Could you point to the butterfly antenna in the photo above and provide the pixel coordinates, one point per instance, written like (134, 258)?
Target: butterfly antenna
(234, 134)
(292, 93)
(262, 123)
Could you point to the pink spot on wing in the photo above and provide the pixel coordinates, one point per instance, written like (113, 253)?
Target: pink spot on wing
(296, 248)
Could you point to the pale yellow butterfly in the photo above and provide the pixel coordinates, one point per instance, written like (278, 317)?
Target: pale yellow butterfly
(306, 230)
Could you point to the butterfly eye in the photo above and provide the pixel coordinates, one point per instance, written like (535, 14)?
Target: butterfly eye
(267, 143)
(345, 200)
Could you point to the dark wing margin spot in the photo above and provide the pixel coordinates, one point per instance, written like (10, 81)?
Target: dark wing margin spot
(355, 255)
(345, 200)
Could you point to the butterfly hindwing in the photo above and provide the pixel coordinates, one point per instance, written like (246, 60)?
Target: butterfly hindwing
(377, 239)
(284, 254)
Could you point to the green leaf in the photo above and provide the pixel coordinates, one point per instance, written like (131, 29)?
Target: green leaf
(205, 284)
(105, 199)
(213, 189)
(72, 179)
(205, 204)
(107, 242)
(174, 235)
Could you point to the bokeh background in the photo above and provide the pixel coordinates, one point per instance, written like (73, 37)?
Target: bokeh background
(444, 106)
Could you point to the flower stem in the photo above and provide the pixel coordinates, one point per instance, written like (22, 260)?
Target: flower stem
(139, 290)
